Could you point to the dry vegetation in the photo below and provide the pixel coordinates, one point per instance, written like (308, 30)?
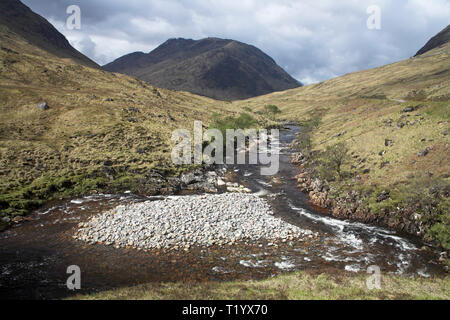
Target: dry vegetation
(102, 131)
(295, 286)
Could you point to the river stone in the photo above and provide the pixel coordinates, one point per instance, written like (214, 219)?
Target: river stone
(187, 221)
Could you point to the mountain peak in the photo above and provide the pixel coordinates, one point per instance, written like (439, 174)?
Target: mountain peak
(437, 41)
(23, 22)
(223, 69)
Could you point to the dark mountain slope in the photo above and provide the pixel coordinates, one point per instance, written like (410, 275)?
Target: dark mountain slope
(437, 41)
(217, 68)
(17, 18)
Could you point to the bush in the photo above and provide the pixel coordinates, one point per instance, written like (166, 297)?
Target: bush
(430, 197)
(272, 109)
(312, 123)
(303, 143)
(440, 232)
(243, 121)
(332, 160)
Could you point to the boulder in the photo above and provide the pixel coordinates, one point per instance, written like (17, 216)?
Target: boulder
(6, 219)
(408, 109)
(42, 106)
(187, 178)
(317, 185)
(424, 152)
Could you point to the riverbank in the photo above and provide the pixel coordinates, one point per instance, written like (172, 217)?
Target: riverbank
(335, 184)
(295, 286)
(351, 208)
(153, 182)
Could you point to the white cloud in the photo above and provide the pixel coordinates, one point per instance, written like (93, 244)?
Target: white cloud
(312, 39)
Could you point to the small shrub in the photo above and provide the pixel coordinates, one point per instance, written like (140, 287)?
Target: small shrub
(271, 111)
(332, 160)
(440, 232)
(304, 143)
(243, 121)
(310, 124)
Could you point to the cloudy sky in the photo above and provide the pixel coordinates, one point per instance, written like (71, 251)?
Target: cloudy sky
(313, 40)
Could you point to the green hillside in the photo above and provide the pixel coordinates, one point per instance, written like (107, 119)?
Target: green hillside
(394, 120)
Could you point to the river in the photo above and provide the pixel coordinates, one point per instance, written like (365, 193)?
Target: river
(34, 256)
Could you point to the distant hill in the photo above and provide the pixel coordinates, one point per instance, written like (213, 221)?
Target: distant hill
(437, 41)
(17, 18)
(98, 131)
(212, 67)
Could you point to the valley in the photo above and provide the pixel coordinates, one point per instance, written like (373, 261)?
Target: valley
(88, 178)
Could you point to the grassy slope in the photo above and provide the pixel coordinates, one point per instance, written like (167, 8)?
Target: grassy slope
(361, 105)
(295, 286)
(62, 151)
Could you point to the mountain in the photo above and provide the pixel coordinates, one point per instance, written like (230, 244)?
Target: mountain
(96, 130)
(17, 20)
(212, 67)
(437, 41)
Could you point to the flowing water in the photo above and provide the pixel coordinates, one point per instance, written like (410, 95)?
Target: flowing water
(34, 256)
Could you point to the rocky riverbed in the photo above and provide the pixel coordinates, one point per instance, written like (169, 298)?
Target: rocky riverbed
(35, 254)
(183, 222)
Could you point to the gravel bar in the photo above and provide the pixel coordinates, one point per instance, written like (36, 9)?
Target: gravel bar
(183, 222)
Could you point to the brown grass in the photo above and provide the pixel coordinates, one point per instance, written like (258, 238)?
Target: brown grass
(296, 286)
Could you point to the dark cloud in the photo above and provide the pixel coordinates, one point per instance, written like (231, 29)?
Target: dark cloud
(313, 40)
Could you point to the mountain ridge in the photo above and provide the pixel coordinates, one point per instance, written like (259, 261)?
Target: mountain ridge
(438, 40)
(20, 20)
(223, 69)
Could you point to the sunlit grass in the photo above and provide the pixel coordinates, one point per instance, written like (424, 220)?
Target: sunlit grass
(296, 286)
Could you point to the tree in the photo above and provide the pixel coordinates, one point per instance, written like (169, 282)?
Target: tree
(334, 157)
